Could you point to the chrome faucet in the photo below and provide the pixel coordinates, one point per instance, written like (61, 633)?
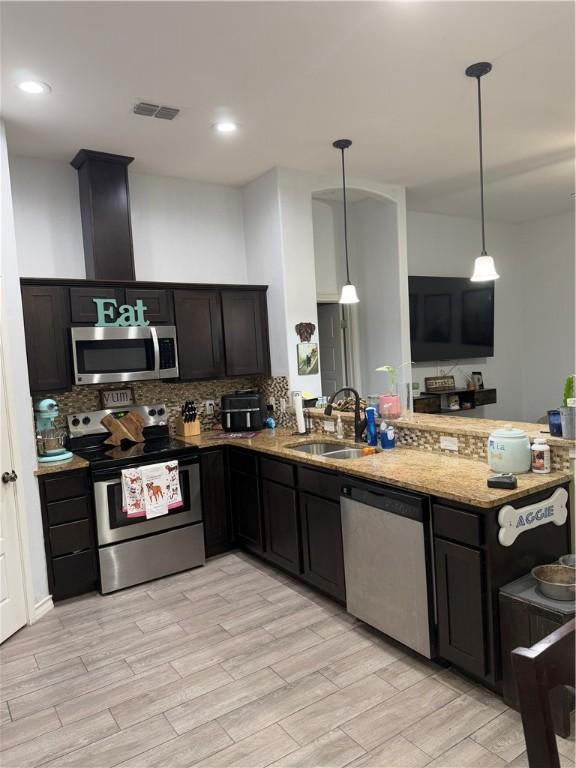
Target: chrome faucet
(359, 423)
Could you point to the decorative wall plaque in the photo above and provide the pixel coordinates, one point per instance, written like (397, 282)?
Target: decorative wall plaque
(439, 383)
(513, 521)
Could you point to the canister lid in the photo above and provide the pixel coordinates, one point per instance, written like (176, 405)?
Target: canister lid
(510, 432)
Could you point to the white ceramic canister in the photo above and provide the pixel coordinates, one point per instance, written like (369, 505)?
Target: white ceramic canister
(509, 450)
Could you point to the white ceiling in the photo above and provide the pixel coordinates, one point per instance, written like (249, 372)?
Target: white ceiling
(296, 75)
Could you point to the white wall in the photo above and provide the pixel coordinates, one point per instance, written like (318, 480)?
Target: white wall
(447, 246)
(47, 218)
(534, 304)
(186, 231)
(548, 316)
(17, 375)
(328, 255)
(182, 230)
(263, 238)
(374, 266)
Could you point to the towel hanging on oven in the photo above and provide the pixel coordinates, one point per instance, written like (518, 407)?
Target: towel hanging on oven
(151, 490)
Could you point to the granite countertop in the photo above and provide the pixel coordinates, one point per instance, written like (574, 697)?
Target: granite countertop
(458, 425)
(61, 466)
(448, 477)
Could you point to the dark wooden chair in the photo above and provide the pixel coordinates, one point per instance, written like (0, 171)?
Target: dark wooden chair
(538, 670)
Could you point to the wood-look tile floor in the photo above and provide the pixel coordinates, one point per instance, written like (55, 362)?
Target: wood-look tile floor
(236, 665)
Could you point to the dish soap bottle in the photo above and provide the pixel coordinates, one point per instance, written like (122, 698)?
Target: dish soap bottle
(339, 428)
(540, 452)
(371, 437)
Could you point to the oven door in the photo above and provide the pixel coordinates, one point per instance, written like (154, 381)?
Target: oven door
(112, 523)
(107, 355)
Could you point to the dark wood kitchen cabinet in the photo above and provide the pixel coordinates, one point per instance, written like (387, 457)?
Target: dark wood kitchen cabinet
(245, 321)
(246, 502)
(46, 320)
(322, 552)
(69, 535)
(83, 310)
(218, 532)
(200, 336)
(159, 303)
(462, 608)
(280, 510)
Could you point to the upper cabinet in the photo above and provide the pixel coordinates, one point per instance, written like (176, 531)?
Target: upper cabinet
(158, 302)
(245, 332)
(199, 333)
(82, 306)
(46, 321)
(221, 331)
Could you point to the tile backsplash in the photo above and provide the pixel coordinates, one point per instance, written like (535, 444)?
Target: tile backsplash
(173, 394)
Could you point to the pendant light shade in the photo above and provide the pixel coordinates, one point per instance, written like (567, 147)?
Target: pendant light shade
(484, 270)
(348, 295)
(484, 267)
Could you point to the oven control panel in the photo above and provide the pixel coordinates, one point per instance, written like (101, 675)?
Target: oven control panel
(82, 424)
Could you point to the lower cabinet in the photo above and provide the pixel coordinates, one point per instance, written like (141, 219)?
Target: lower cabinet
(462, 606)
(280, 508)
(323, 557)
(218, 532)
(69, 536)
(246, 507)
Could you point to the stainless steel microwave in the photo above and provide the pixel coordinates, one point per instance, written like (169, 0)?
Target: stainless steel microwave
(107, 355)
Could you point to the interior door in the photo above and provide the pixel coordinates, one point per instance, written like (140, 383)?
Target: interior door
(331, 348)
(12, 595)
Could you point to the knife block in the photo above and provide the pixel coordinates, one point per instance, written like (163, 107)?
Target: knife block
(187, 429)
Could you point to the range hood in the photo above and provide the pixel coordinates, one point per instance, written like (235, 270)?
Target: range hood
(105, 211)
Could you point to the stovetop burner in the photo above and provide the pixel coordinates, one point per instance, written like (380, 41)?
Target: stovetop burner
(87, 440)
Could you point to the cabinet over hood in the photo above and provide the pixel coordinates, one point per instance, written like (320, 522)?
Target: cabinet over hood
(105, 212)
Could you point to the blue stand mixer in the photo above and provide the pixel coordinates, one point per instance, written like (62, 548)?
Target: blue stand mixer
(50, 441)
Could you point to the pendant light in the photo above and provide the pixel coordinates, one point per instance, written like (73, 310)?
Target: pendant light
(348, 295)
(484, 267)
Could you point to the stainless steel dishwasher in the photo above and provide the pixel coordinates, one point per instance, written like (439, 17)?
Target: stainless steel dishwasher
(387, 563)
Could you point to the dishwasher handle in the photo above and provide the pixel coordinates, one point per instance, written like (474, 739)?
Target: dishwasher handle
(395, 502)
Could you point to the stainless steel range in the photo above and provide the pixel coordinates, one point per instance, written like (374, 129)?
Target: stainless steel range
(133, 550)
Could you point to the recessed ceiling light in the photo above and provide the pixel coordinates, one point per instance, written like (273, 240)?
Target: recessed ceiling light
(225, 126)
(34, 87)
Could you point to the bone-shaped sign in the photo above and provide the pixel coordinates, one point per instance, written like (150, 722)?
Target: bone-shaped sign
(513, 521)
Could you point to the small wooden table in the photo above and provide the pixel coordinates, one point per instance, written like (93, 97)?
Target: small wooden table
(527, 616)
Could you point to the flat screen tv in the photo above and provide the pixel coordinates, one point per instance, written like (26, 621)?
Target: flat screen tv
(451, 318)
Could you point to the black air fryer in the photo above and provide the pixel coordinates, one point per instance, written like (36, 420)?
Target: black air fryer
(243, 411)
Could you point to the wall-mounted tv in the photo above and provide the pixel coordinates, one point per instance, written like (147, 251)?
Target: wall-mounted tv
(450, 318)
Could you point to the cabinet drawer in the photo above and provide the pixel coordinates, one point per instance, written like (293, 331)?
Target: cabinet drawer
(70, 537)
(73, 574)
(243, 461)
(68, 511)
(323, 484)
(66, 486)
(457, 525)
(278, 471)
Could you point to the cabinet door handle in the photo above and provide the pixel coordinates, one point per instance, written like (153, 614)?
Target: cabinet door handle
(9, 477)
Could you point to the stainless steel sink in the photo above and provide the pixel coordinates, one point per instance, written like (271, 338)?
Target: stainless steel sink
(329, 450)
(346, 453)
(316, 449)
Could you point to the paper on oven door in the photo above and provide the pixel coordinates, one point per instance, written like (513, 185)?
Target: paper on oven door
(132, 493)
(155, 483)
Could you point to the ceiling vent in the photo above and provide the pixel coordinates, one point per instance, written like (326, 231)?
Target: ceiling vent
(146, 109)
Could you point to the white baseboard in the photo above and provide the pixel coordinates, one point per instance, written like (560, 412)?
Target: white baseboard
(42, 608)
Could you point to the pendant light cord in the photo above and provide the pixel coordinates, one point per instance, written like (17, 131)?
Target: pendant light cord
(345, 218)
(481, 167)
